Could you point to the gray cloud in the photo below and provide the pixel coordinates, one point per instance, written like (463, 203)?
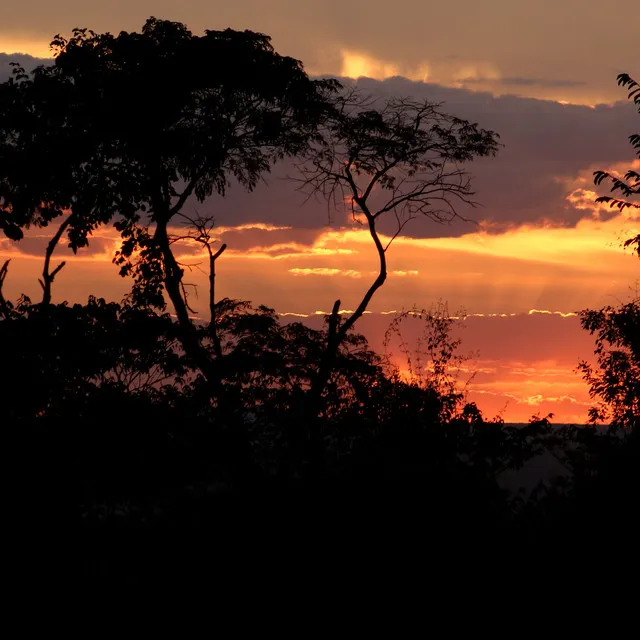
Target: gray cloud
(36, 245)
(543, 142)
(517, 81)
(28, 62)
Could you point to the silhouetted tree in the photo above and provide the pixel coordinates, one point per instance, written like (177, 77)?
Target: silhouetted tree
(600, 492)
(72, 353)
(615, 381)
(629, 185)
(433, 361)
(127, 128)
(398, 158)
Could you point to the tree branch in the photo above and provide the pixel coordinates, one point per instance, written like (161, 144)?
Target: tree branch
(184, 196)
(47, 276)
(377, 283)
(213, 321)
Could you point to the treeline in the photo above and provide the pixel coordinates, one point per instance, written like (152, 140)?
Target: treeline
(112, 429)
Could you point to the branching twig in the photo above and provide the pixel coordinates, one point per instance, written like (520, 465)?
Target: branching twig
(201, 232)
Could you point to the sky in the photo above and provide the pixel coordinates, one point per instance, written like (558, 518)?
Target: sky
(567, 49)
(541, 74)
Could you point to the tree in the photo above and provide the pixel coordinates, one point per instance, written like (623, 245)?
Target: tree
(126, 129)
(399, 158)
(629, 184)
(71, 354)
(433, 362)
(615, 382)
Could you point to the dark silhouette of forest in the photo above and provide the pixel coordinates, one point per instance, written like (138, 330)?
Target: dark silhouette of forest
(129, 423)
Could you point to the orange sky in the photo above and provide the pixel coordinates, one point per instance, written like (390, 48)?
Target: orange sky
(541, 250)
(520, 290)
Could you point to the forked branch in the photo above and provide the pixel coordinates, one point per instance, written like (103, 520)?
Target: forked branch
(49, 276)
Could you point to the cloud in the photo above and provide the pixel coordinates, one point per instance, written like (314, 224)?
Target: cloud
(525, 268)
(547, 145)
(562, 314)
(27, 61)
(325, 271)
(252, 226)
(470, 73)
(356, 65)
(519, 82)
(528, 82)
(102, 246)
(518, 39)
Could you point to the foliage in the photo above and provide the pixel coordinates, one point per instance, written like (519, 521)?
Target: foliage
(127, 128)
(271, 364)
(113, 431)
(629, 184)
(134, 123)
(616, 381)
(71, 353)
(434, 363)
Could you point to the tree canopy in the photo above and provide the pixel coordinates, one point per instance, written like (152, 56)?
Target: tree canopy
(138, 122)
(125, 128)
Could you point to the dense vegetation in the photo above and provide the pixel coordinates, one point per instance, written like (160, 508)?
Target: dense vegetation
(121, 419)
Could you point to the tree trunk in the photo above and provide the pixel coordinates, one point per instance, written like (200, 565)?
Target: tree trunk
(213, 322)
(336, 335)
(188, 333)
(49, 276)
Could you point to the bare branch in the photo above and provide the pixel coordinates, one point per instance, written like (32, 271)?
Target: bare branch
(401, 224)
(213, 319)
(401, 156)
(47, 276)
(201, 232)
(219, 252)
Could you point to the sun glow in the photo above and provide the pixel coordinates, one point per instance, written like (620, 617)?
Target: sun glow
(356, 64)
(36, 48)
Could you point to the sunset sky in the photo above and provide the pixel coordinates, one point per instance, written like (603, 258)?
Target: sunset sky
(542, 74)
